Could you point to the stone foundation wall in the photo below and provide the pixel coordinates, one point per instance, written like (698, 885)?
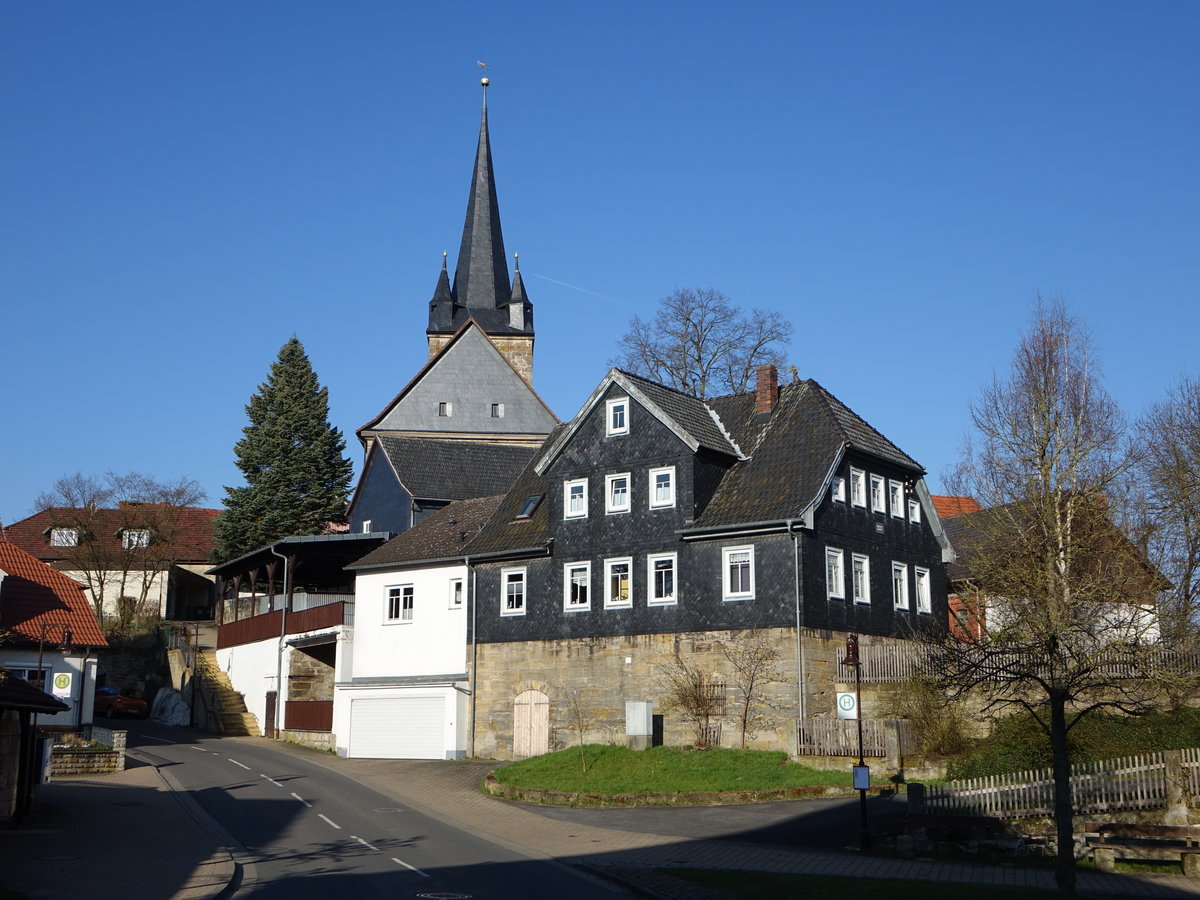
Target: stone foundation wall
(309, 678)
(319, 740)
(590, 680)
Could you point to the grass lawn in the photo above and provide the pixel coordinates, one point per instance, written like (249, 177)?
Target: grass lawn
(830, 887)
(612, 769)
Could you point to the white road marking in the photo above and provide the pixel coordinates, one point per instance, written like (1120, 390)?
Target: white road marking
(160, 740)
(410, 868)
(270, 779)
(201, 749)
(236, 763)
(301, 799)
(329, 821)
(364, 843)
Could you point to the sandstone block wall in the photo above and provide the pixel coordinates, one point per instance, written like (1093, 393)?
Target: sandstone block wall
(591, 679)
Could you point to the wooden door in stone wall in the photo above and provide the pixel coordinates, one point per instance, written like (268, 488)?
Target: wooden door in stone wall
(531, 724)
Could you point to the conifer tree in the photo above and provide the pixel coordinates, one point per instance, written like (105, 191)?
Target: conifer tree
(297, 479)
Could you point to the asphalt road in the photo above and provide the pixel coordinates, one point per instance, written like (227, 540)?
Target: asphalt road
(308, 832)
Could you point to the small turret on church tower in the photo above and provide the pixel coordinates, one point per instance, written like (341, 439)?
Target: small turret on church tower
(481, 288)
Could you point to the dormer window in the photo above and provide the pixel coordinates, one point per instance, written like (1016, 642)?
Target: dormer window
(617, 418)
(135, 538)
(64, 537)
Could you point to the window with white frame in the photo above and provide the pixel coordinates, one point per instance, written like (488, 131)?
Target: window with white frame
(835, 577)
(64, 537)
(737, 573)
(512, 592)
(914, 512)
(575, 499)
(858, 487)
(838, 489)
(662, 487)
(617, 416)
(577, 585)
(860, 577)
(135, 538)
(39, 678)
(921, 578)
(616, 493)
(878, 504)
(497, 410)
(366, 526)
(900, 585)
(456, 593)
(660, 578)
(618, 581)
(896, 498)
(445, 408)
(399, 604)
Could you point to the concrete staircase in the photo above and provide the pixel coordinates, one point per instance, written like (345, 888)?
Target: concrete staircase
(232, 717)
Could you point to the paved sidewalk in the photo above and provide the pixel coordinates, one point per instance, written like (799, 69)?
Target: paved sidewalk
(450, 791)
(111, 837)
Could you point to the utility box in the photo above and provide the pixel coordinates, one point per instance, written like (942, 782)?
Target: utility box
(639, 724)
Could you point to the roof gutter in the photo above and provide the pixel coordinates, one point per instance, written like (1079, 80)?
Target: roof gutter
(770, 526)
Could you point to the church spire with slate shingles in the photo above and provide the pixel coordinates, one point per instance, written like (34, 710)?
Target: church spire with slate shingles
(481, 289)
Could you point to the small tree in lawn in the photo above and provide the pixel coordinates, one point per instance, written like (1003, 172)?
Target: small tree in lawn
(297, 478)
(689, 690)
(754, 667)
(1067, 594)
(703, 345)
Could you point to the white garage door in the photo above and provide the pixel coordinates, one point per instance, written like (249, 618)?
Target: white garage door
(397, 728)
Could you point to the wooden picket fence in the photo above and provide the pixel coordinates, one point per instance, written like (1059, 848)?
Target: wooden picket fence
(1131, 782)
(839, 737)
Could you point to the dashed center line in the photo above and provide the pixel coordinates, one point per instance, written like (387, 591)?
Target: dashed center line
(236, 763)
(329, 821)
(200, 749)
(364, 843)
(160, 740)
(272, 780)
(301, 799)
(410, 868)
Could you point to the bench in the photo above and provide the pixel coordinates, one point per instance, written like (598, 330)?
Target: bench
(1127, 840)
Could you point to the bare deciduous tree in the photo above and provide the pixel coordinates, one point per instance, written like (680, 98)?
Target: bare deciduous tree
(1069, 597)
(690, 690)
(125, 534)
(702, 344)
(754, 667)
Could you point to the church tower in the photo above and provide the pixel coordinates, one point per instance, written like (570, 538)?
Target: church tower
(481, 289)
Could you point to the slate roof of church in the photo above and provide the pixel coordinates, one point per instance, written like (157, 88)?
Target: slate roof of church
(430, 469)
(445, 535)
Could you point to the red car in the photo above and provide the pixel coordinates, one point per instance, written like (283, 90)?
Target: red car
(112, 702)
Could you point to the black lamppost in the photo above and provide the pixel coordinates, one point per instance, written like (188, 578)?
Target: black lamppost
(861, 771)
(64, 644)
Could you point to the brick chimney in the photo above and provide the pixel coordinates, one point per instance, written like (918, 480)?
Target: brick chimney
(766, 389)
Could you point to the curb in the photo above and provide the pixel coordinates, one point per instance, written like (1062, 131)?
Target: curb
(220, 875)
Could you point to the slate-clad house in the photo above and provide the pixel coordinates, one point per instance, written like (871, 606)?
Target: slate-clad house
(655, 523)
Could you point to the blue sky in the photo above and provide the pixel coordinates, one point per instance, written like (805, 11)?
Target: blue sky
(186, 185)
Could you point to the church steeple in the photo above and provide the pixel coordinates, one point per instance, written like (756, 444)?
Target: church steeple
(481, 289)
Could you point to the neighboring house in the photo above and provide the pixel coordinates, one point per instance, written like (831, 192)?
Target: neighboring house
(405, 694)
(973, 613)
(51, 633)
(20, 771)
(657, 525)
(139, 559)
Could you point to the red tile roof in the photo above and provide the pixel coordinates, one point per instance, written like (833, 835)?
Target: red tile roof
(948, 507)
(33, 594)
(191, 527)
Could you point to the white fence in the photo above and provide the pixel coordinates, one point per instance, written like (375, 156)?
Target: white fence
(1131, 782)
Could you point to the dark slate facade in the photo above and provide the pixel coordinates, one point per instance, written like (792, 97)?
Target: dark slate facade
(745, 481)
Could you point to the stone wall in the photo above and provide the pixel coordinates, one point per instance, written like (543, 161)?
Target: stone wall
(596, 676)
(310, 673)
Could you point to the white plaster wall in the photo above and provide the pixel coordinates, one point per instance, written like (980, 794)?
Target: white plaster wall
(433, 643)
(83, 681)
(252, 670)
(156, 596)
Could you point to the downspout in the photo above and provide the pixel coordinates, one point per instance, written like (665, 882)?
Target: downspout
(282, 636)
(474, 653)
(799, 623)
